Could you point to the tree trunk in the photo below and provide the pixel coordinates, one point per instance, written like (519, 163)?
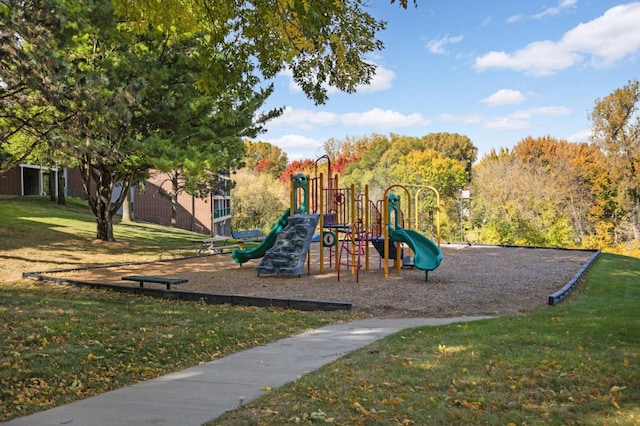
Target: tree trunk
(104, 222)
(175, 191)
(174, 211)
(635, 221)
(61, 186)
(126, 207)
(52, 185)
(100, 198)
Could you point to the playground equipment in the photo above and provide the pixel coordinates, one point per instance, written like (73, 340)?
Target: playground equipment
(353, 247)
(243, 256)
(349, 224)
(286, 247)
(427, 254)
(355, 221)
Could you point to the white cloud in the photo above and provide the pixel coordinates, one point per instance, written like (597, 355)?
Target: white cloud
(507, 123)
(581, 136)
(607, 40)
(304, 119)
(380, 82)
(610, 38)
(384, 119)
(554, 111)
(297, 147)
(563, 5)
(296, 141)
(521, 119)
(540, 58)
(504, 97)
(515, 18)
(439, 46)
(375, 118)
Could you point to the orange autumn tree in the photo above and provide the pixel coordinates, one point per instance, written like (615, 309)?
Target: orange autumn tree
(546, 192)
(305, 166)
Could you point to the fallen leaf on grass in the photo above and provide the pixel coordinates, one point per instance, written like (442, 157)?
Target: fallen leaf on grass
(615, 389)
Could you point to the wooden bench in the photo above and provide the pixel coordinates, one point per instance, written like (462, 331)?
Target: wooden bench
(158, 280)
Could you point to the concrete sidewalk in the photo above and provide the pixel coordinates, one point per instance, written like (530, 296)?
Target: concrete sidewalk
(198, 394)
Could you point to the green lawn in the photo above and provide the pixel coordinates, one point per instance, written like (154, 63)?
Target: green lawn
(37, 235)
(575, 363)
(63, 343)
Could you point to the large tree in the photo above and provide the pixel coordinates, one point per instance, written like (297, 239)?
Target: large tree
(516, 203)
(264, 157)
(616, 128)
(453, 145)
(31, 76)
(111, 62)
(322, 44)
(545, 191)
(201, 144)
(580, 177)
(258, 200)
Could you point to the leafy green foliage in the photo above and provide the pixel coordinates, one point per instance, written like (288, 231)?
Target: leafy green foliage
(545, 192)
(616, 128)
(454, 146)
(258, 201)
(31, 70)
(439, 160)
(127, 86)
(323, 44)
(263, 157)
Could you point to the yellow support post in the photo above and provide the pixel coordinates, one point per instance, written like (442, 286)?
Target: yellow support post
(420, 188)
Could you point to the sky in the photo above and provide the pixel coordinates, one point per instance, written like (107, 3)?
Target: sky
(496, 71)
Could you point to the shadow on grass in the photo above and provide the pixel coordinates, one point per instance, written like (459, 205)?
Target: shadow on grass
(36, 222)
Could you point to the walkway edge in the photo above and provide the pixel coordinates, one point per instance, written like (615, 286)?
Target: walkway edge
(204, 392)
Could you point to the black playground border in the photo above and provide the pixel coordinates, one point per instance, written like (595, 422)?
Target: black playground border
(209, 298)
(239, 300)
(561, 294)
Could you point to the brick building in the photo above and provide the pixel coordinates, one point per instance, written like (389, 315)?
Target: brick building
(210, 215)
(28, 179)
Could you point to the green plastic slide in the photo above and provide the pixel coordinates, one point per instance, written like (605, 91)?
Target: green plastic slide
(427, 254)
(242, 256)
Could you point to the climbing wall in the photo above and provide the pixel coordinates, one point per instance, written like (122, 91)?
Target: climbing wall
(288, 254)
